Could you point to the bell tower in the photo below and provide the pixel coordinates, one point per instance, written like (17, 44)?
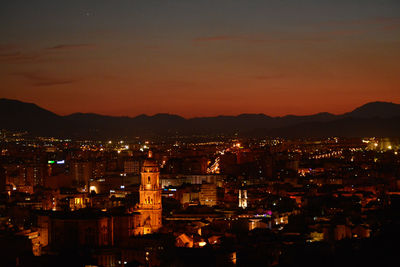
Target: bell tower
(150, 207)
(242, 197)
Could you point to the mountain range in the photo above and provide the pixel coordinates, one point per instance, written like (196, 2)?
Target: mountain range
(381, 119)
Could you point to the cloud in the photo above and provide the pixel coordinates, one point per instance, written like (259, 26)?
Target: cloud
(18, 57)
(346, 32)
(42, 80)
(13, 54)
(255, 40)
(9, 53)
(70, 46)
(343, 28)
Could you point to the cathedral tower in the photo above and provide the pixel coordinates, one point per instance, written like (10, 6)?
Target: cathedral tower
(242, 197)
(150, 207)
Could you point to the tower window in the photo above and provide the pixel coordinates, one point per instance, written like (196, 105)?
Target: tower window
(148, 180)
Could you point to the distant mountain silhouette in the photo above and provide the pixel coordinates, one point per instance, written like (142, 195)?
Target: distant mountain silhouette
(372, 119)
(17, 115)
(376, 109)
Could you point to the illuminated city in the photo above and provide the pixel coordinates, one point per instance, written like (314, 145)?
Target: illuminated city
(199, 133)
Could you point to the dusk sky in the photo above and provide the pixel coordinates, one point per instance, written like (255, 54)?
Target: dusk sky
(200, 58)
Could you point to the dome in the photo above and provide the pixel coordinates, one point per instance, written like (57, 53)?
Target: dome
(150, 163)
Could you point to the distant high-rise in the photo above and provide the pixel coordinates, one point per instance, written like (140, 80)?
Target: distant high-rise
(81, 173)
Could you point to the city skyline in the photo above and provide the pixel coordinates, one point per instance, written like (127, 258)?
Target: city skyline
(199, 133)
(200, 59)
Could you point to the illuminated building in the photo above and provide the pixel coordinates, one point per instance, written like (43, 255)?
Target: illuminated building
(149, 207)
(99, 169)
(208, 194)
(34, 174)
(24, 176)
(242, 198)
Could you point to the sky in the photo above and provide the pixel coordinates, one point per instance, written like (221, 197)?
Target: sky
(200, 58)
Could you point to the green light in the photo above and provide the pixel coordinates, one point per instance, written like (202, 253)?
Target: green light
(50, 161)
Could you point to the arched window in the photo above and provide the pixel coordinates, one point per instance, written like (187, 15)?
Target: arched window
(148, 200)
(148, 180)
